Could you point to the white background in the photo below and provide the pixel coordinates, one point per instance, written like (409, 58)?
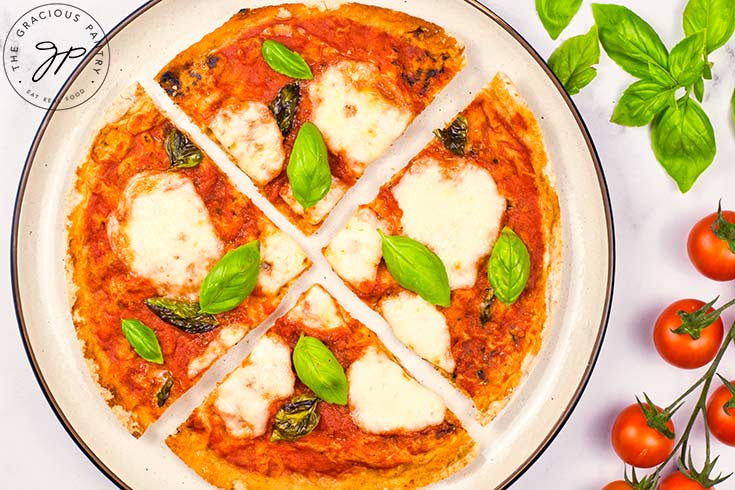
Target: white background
(652, 220)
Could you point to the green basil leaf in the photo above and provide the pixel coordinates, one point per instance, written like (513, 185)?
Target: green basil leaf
(183, 315)
(308, 167)
(165, 391)
(641, 102)
(143, 340)
(296, 419)
(699, 89)
(509, 266)
(661, 75)
(285, 61)
(318, 369)
(572, 61)
(628, 40)
(181, 152)
(231, 280)
(454, 137)
(416, 268)
(683, 141)
(285, 106)
(686, 60)
(556, 15)
(715, 17)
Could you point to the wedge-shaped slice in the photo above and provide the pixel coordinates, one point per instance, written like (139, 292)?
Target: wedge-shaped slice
(392, 433)
(373, 71)
(456, 203)
(145, 227)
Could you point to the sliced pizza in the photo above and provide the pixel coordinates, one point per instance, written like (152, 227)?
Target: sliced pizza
(304, 98)
(321, 403)
(169, 265)
(457, 249)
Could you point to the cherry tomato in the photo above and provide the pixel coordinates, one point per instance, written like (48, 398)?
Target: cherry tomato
(617, 485)
(721, 426)
(710, 254)
(679, 481)
(682, 350)
(638, 444)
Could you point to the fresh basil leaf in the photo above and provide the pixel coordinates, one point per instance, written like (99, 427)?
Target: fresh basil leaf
(686, 60)
(285, 106)
(416, 268)
(231, 280)
(454, 137)
(629, 40)
(143, 340)
(509, 266)
(318, 369)
(699, 89)
(556, 15)
(572, 61)
(661, 75)
(723, 229)
(296, 419)
(716, 18)
(308, 167)
(181, 152)
(285, 61)
(183, 315)
(165, 391)
(683, 141)
(641, 102)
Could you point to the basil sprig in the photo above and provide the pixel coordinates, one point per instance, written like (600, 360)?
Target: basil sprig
(231, 280)
(143, 340)
(296, 419)
(715, 18)
(308, 167)
(416, 268)
(318, 369)
(556, 15)
(184, 315)
(509, 266)
(573, 61)
(285, 61)
(181, 152)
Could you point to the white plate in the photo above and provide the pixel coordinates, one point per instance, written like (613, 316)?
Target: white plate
(143, 43)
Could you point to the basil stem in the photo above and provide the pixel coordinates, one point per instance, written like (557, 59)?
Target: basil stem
(143, 340)
(231, 280)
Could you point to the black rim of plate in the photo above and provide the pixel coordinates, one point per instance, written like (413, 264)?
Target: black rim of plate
(518, 472)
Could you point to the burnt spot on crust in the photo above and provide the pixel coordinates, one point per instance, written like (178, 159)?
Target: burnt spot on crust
(418, 32)
(243, 11)
(170, 82)
(427, 78)
(212, 61)
(195, 75)
(444, 430)
(481, 375)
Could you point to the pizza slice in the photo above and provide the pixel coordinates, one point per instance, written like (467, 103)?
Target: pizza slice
(168, 264)
(321, 403)
(357, 74)
(457, 250)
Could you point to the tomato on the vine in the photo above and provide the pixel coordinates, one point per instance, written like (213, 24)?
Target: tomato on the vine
(617, 485)
(679, 481)
(721, 424)
(711, 254)
(638, 444)
(681, 349)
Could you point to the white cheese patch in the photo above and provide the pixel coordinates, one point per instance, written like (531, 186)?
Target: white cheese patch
(355, 119)
(244, 398)
(456, 213)
(252, 137)
(419, 325)
(316, 213)
(356, 251)
(282, 259)
(228, 336)
(163, 231)
(384, 399)
(317, 310)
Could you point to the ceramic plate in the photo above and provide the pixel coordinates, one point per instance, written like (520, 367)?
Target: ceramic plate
(143, 43)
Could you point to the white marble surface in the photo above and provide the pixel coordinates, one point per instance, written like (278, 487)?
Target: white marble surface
(651, 218)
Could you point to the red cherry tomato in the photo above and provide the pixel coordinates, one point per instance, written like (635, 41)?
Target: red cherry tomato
(721, 425)
(682, 350)
(710, 254)
(679, 481)
(638, 444)
(617, 485)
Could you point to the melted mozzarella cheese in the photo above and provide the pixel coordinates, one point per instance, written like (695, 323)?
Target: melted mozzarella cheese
(356, 250)
(419, 325)
(317, 309)
(252, 137)
(163, 231)
(383, 398)
(456, 213)
(281, 260)
(355, 119)
(228, 336)
(243, 399)
(316, 213)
